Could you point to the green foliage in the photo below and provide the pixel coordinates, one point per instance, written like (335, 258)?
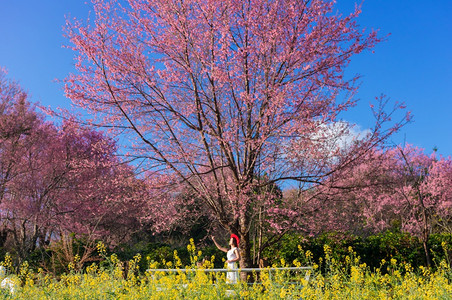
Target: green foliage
(372, 250)
(391, 244)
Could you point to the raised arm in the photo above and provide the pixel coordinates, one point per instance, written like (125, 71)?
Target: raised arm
(218, 246)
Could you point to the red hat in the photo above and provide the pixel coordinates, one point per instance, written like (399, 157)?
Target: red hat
(236, 238)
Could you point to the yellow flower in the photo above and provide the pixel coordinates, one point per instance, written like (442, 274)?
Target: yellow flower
(101, 248)
(8, 262)
(283, 293)
(177, 260)
(71, 266)
(191, 246)
(283, 262)
(347, 259)
(393, 261)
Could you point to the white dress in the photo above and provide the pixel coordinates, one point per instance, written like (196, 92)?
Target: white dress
(232, 277)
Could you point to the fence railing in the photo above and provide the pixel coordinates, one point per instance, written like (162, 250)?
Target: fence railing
(307, 270)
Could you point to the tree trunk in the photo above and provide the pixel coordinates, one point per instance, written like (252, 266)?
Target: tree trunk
(425, 233)
(245, 246)
(3, 237)
(245, 255)
(427, 254)
(425, 236)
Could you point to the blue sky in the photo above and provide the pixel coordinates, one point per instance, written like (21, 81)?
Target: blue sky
(413, 65)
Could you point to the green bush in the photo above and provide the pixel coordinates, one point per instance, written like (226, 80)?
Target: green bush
(372, 249)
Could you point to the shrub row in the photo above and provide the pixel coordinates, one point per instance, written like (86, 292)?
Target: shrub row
(371, 250)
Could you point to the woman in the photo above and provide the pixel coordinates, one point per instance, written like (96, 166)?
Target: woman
(233, 256)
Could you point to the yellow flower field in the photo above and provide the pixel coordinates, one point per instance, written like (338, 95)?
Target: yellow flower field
(330, 279)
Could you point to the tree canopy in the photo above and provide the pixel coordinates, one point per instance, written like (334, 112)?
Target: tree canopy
(222, 94)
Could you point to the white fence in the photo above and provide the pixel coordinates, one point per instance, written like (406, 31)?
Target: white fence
(270, 271)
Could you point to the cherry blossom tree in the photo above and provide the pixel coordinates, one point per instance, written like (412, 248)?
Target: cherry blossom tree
(60, 179)
(423, 197)
(401, 185)
(17, 122)
(220, 94)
